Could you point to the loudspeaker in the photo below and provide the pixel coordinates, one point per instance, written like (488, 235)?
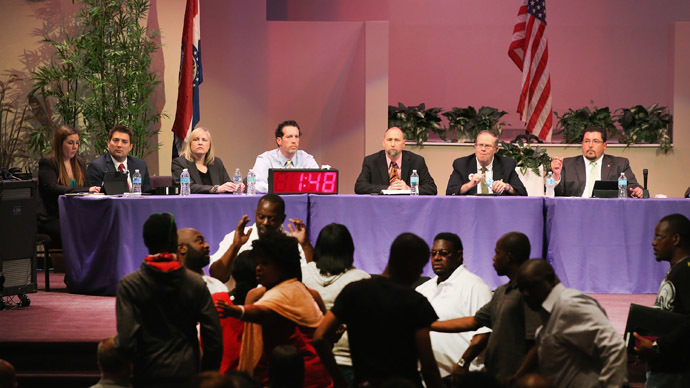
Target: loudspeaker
(18, 206)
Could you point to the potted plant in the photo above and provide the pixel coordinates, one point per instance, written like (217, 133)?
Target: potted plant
(572, 123)
(414, 121)
(645, 125)
(13, 125)
(466, 123)
(532, 164)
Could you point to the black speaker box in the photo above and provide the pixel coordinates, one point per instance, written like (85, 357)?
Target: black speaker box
(18, 206)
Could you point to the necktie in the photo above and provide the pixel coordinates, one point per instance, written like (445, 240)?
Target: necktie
(121, 168)
(288, 164)
(482, 185)
(394, 173)
(593, 176)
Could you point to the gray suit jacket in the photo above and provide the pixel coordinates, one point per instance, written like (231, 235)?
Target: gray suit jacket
(217, 171)
(574, 176)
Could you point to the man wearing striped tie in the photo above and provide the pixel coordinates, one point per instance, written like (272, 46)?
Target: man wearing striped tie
(287, 155)
(575, 176)
(390, 169)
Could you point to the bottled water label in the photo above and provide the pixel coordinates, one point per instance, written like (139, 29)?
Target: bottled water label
(414, 179)
(489, 181)
(184, 179)
(550, 181)
(622, 182)
(251, 179)
(136, 180)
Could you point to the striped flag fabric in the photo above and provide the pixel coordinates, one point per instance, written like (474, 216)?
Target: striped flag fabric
(529, 50)
(191, 76)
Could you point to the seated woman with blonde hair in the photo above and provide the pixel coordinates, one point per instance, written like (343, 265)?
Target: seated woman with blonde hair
(60, 172)
(206, 172)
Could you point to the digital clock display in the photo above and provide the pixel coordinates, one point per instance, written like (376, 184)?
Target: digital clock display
(298, 180)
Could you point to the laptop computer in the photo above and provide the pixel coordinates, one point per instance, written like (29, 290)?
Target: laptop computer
(115, 183)
(605, 189)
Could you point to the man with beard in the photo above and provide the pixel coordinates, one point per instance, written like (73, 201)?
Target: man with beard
(390, 169)
(193, 253)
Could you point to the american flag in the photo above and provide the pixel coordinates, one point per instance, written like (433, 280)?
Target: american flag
(187, 114)
(529, 36)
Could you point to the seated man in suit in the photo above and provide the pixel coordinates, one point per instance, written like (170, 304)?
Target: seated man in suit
(575, 176)
(492, 173)
(117, 159)
(287, 155)
(390, 169)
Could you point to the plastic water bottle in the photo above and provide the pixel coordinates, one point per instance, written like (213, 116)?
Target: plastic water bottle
(550, 184)
(622, 186)
(237, 179)
(251, 183)
(136, 182)
(414, 183)
(184, 183)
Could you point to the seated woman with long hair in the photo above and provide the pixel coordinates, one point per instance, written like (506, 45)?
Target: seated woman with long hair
(286, 314)
(60, 172)
(329, 272)
(206, 171)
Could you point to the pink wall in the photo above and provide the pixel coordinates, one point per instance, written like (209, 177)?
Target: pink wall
(454, 52)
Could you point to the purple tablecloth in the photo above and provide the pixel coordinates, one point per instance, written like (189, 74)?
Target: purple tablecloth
(102, 236)
(375, 221)
(605, 245)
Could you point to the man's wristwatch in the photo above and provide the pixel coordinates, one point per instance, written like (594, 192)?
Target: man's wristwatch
(214, 189)
(461, 362)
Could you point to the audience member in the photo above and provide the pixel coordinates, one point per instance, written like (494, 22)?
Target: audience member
(286, 314)
(330, 271)
(207, 174)
(241, 379)
(531, 380)
(390, 169)
(575, 176)
(455, 292)
(157, 309)
(8, 377)
(387, 322)
(493, 174)
(61, 172)
(475, 379)
(287, 155)
(672, 243)
(193, 253)
(285, 368)
(120, 144)
(513, 324)
(116, 371)
(212, 379)
(270, 215)
(670, 352)
(576, 346)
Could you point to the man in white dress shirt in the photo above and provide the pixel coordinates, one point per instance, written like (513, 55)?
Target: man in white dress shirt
(455, 292)
(287, 155)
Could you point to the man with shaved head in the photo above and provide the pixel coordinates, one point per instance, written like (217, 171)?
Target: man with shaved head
(576, 346)
(193, 253)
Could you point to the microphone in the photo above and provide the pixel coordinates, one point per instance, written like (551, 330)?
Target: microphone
(645, 192)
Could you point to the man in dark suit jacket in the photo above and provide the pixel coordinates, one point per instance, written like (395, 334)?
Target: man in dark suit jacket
(119, 146)
(571, 173)
(376, 168)
(499, 176)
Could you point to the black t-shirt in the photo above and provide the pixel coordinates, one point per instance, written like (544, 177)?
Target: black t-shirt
(206, 178)
(382, 318)
(674, 292)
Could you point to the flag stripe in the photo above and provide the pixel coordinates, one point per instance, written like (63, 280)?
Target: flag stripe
(530, 52)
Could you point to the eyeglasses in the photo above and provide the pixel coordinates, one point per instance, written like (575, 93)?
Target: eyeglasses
(484, 146)
(595, 142)
(442, 252)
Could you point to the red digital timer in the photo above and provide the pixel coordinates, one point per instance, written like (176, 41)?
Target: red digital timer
(302, 180)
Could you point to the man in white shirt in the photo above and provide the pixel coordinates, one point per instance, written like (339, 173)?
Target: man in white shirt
(287, 155)
(455, 292)
(575, 176)
(270, 215)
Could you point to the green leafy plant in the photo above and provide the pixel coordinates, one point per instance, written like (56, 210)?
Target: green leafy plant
(468, 122)
(572, 123)
(101, 76)
(525, 156)
(13, 125)
(645, 125)
(414, 121)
